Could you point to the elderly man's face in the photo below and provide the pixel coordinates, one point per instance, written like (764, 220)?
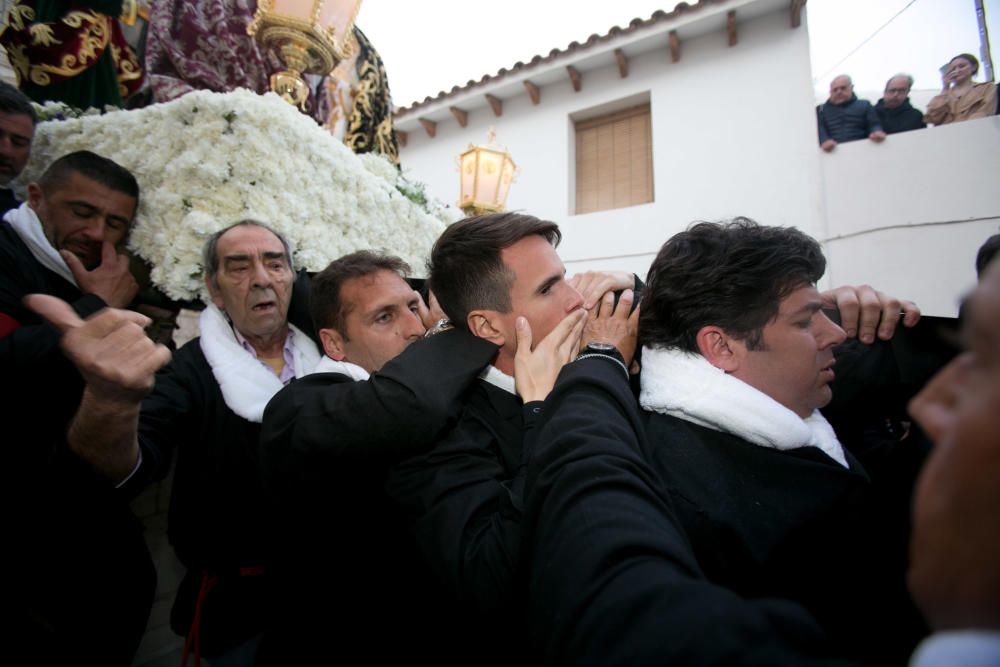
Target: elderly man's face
(794, 364)
(955, 551)
(80, 214)
(382, 319)
(253, 284)
(16, 133)
(896, 92)
(841, 90)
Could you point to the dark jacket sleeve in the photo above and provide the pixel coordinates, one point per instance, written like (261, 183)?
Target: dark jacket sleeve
(464, 507)
(326, 420)
(612, 578)
(25, 346)
(824, 133)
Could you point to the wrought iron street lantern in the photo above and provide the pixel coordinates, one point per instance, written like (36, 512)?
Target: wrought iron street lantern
(486, 173)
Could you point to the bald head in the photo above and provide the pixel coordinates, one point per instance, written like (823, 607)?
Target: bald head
(841, 89)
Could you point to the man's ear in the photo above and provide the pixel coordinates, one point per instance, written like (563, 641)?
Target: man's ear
(483, 323)
(333, 344)
(720, 349)
(34, 195)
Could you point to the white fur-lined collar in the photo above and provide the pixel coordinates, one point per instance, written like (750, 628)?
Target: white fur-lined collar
(353, 371)
(686, 386)
(25, 222)
(246, 384)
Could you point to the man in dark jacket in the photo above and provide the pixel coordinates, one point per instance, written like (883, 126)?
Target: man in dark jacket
(341, 554)
(736, 364)
(843, 117)
(81, 562)
(894, 110)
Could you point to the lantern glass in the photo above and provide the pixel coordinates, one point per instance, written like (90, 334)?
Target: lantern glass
(467, 165)
(338, 17)
(297, 9)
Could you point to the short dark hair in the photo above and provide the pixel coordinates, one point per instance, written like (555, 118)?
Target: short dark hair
(466, 271)
(326, 307)
(971, 59)
(107, 172)
(13, 101)
(210, 251)
(729, 274)
(986, 253)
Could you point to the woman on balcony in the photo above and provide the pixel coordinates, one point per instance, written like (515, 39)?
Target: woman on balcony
(961, 98)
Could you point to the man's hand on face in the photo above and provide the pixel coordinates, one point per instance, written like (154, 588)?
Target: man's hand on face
(617, 325)
(110, 348)
(593, 285)
(112, 280)
(536, 370)
(430, 313)
(865, 311)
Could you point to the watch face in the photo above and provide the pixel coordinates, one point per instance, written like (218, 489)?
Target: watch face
(600, 347)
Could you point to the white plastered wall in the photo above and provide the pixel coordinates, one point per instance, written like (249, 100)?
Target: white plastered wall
(733, 134)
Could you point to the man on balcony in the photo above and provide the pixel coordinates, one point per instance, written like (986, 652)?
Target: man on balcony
(843, 117)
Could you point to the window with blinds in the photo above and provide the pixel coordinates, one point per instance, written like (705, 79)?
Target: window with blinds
(614, 160)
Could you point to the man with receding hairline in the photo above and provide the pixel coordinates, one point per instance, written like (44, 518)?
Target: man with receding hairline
(384, 390)
(894, 109)
(843, 117)
(63, 242)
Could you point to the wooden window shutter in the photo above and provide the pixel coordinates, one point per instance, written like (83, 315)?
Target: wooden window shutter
(614, 160)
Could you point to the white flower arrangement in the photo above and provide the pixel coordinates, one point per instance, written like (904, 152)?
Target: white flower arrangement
(206, 160)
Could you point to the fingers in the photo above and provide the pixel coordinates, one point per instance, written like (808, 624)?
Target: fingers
(624, 309)
(911, 313)
(890, 312)
(571, 345)
(564, 330)
(423, 312)
(522, 334)
(109, 255)
(54, 311)
(593, 286)
(73, 262)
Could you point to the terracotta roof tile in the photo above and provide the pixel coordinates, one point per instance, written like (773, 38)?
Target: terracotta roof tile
(573, 47)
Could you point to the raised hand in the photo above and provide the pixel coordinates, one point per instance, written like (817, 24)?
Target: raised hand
(110, 348)
(536, 370)
(614, 324)
(592, 285)
(111, 280)
(864, 311)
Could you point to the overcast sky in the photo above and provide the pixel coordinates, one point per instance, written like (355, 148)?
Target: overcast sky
(433, 45)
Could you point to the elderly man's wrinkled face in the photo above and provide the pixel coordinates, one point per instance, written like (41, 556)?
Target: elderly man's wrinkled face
(896, 92)
(253, 285)
(841, 90)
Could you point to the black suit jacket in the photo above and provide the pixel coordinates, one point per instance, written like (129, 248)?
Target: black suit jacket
(613, 579)
(348, 579)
